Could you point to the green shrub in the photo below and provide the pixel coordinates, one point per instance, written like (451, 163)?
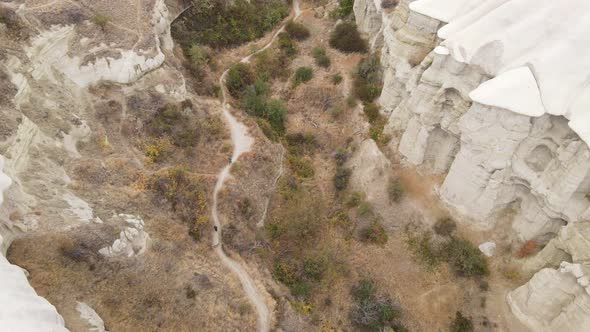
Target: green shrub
(314, 267)
(423, 250)
(395, 190)
(255, 101)
(336, 79)
(367, 83)
(101, 20)
(221, 24)
(461, 323)
(302, 75)
(239, 77)
(321, 59)
(301, 289)
(347, 39)
(465, 258)
(341, 178)
(343, 10)
(296, 31)
(285, 271)
(365, 209)
(301, 166)
(287, 45)
(444, 226)
(374, 233)
(354, 199)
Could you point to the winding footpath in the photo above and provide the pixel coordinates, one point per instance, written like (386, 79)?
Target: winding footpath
(242, 143)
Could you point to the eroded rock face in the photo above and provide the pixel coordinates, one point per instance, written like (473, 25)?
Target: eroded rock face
(494, 158)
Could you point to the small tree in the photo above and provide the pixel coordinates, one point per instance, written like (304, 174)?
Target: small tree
(341, 178)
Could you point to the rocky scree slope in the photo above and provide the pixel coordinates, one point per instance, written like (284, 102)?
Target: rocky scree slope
(493, 95)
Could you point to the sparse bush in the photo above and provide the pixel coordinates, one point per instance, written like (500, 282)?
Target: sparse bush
(374, 233)
(101, 20)
(371, 111)
(347, 39)
(170, 122)
(321, 59)
(285, 271)
(465, 258)
(314, 267)
(302, 75)
(461, 323)
(239, 77)
(186, 195)
(336, 79)
(528, 248)
(367, 79)
(423, 250)
(272, 63)
(340, 156)
(395, 190)
(297, 31)
(301, 166)
(341, 178)
(445, 226)
(371, 311)
(300, 143)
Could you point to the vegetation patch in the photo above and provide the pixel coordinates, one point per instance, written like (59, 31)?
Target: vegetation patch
(374, 233)
(320, 57)
(395, 190)
(461, 323)
(445, 226)
(224, 24)
(302, 75)
(347, 39)
(341, 178)
(186, 195)
(463, 257)
(296, 30)
(372, 311)
(343, 10)
(368, 81)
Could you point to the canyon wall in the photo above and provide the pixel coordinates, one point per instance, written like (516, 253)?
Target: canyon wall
(50, 56)
(467, 101)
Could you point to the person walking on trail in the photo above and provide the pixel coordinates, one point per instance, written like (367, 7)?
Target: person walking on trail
(215, 228)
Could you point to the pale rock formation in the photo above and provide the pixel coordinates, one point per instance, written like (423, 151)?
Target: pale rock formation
(370, 170)
(488, 248)
(94, 322)
(132, 241)
(500, 106)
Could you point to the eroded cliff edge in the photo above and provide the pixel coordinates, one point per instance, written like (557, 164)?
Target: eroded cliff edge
(482, 109)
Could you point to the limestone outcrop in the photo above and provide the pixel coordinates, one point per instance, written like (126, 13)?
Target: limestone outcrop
(480, 111)
(133, 240)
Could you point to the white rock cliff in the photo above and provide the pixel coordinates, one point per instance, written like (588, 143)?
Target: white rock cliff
(493, 94)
